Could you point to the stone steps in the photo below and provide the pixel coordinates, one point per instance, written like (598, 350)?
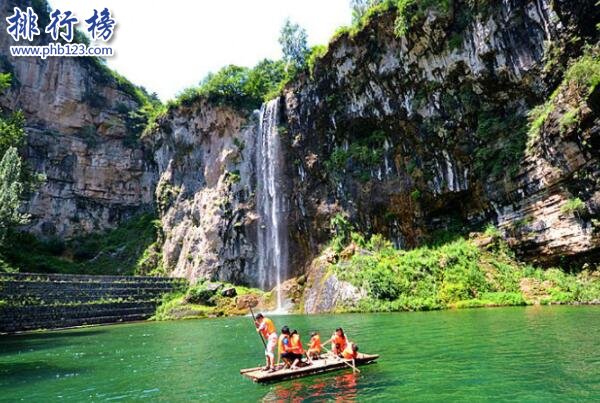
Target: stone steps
(69, 323)
(47, 301)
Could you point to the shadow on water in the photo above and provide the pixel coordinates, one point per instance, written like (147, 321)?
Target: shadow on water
(40, 341)
(14, 374)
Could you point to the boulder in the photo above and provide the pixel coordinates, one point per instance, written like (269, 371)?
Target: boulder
(247, 301)
(203, 293)
(229, 292)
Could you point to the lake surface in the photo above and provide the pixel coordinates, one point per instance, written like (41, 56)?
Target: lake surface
(529, 354)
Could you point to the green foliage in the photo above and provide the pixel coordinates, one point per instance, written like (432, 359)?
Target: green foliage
(5, 81)
(569, 119)
(359, 9)
(341, 230)
(359, 158)
(537, 117)
(238, 87)
(492, 230)
(316, 52)
(118, 251)
(199, 294)
(293, 41)
(502, 137)
(12, 132)
(415, 194)
(584, 75)
(196, 302)
(11, 189)
(265, 78)
(585, 72)
(573, 206)
(453, 274)
(233, 177)
(409, 12)
(455, 41)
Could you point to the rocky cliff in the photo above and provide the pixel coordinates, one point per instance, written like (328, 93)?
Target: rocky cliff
(469, 118)
(205, 194)
(80, 135)
(408, 136)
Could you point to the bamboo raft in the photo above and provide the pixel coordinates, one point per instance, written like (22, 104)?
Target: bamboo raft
(326, 363)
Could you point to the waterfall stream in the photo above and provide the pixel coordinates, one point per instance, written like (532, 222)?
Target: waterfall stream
(270, 202)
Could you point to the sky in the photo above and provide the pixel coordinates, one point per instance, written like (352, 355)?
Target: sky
(169, 45)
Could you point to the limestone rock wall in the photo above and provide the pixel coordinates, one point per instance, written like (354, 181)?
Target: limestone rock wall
(78, 134)
(409, 136)
(205, 193)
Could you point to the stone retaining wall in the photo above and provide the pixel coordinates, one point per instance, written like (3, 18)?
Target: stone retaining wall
(46, 301)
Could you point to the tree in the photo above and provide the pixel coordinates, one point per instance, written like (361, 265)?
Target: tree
(360, 8)
(264, 79)
(293, 41)
(11, 125)
(11, 189)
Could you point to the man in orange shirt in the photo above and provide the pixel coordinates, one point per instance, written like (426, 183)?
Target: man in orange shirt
(267, 328)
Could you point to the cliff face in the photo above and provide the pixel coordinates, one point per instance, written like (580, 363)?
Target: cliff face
(205, 194)
(413, 135)
(406, 136)
(78, 135)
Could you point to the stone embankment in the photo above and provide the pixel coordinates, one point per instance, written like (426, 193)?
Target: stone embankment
(49, 301)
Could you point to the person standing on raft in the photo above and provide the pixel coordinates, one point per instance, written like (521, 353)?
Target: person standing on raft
(267, 328)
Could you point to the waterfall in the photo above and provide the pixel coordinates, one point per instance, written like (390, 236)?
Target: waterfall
(270, 202)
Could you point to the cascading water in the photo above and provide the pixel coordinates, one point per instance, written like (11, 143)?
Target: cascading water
(270, 202)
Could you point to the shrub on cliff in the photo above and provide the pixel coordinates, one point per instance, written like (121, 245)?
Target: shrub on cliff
(238, 87)
(123, 250)
(453, 274)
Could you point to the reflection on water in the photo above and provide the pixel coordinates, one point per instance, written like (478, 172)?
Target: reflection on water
(339, 388)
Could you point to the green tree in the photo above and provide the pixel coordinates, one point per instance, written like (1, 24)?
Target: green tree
(265, 78)
(11, 125)
(293, 41)
(360, 8)
(11, 189)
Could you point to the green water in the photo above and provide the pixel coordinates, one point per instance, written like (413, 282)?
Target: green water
(529, 354)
